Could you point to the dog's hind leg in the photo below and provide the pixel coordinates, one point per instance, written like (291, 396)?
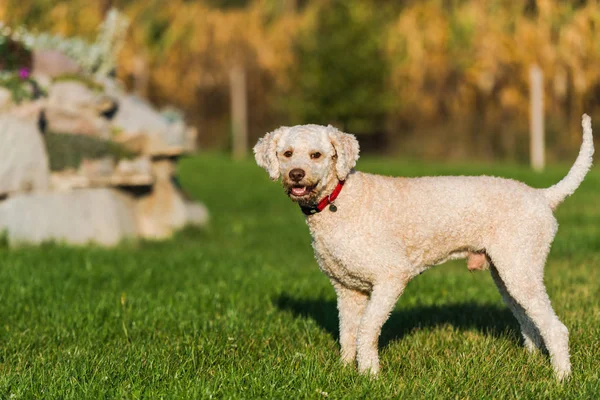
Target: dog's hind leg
(531, 336)
(522, 274)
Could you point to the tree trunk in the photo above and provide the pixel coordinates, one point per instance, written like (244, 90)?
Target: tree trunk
(536, 120)
(239, 111)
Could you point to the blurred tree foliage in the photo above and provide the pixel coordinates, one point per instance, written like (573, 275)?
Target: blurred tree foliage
(435, 71)
(341, 70)
(466, 64)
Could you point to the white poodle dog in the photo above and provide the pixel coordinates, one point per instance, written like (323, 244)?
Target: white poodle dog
(372, 234)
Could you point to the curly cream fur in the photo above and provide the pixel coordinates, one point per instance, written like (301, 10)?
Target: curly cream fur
(566, 187)
(265, 152)
(347, 148)
(388, 230)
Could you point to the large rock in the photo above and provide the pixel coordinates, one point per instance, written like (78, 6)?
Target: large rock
(72, 95)
(53, 63)
(23, 158)
(196, 214)
(146, 130)
(102, 216)
(29, 110)
(136, 115)
(72, 107)
(135, 175)
(82, 122)
(6, 101)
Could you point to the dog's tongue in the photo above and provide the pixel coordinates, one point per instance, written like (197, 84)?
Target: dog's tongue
(299, 191)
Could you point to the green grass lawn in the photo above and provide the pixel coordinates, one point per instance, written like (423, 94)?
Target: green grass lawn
(241, 310)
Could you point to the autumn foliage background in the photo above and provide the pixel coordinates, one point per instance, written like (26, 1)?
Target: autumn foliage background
(445, 79)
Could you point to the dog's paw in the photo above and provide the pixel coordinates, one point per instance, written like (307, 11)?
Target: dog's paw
(347, 362)
(370, 367)
(562, 371)
(348, 356)
(563, 375)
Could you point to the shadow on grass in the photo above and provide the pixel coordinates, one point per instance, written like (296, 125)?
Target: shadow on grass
(488, 319)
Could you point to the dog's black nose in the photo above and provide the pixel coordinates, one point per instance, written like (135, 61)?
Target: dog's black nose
(297, 174)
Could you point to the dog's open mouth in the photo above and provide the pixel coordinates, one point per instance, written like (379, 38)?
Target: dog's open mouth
(300, 191)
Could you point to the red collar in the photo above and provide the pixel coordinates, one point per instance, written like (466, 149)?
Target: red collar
(325, 201)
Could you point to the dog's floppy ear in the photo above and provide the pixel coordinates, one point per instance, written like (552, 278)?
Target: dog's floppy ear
(265, 152)
(346, 149)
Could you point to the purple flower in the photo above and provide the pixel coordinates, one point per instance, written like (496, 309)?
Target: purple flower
(24, 73)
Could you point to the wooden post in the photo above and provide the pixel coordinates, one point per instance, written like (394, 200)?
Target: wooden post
(536, 118)
(239, 111)
(141, 76)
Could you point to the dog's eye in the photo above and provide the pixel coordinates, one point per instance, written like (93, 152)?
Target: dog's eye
(316, 155)
(288, 153)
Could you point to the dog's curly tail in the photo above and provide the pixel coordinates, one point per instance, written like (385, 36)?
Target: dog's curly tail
(567, 186)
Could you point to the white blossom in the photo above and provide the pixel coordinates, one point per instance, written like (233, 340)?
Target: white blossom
(98, 58)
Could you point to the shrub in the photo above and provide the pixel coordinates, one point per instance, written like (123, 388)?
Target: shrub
(68, 151)
(340, 68)
(13, 55)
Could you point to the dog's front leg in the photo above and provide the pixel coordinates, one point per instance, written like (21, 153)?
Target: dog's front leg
(382, 302)
(351, 306)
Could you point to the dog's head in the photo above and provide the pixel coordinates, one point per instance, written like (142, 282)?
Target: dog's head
(311, 159)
